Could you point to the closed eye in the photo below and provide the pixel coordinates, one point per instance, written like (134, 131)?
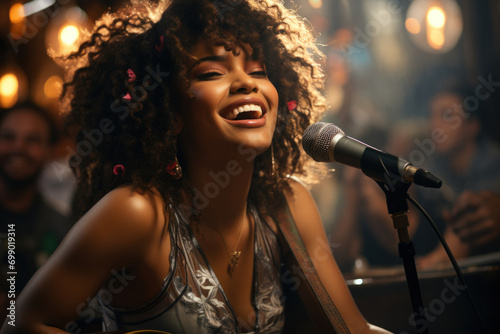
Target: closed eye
(259, 73)
(208, 75)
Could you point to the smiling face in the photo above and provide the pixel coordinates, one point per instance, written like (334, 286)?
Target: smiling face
(230, 102)
(448, 115)
(24, 147)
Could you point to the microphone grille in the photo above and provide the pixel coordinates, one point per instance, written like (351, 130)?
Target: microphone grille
(317, 138)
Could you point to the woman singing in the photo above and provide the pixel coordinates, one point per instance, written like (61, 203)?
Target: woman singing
(189, 117)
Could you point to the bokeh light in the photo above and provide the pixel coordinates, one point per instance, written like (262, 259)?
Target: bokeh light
(52, 87)
(434, 25)
(16, 13)
(316, 3)
(412, 25)
(9, 90)
(436, 17)
(69, 34)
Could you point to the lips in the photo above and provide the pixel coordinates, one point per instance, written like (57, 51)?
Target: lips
(244, 109)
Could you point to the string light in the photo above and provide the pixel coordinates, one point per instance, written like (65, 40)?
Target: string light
(9, 90)
(16, 13)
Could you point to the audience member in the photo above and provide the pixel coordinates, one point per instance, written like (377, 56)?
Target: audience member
(466, 208)
(467, 162)
(27, 136)
(364, 234)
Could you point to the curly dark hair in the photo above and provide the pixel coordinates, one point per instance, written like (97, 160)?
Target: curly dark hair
(138, 130)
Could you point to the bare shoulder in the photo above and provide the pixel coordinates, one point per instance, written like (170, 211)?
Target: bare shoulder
(123, 220)
(120, 232)
(301, 202)
(136, 209)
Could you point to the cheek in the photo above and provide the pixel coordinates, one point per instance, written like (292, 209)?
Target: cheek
(40, 152)
(272, 95)
(202, 98)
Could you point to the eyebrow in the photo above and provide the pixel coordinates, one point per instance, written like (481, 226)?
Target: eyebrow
(209, 58)
(219, 58)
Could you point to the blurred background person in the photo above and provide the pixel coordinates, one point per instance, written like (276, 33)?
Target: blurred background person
(364, 235)
(28, 134)
(467, 162)
(452, 145)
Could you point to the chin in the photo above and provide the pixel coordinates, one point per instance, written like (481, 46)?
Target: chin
(249, 150)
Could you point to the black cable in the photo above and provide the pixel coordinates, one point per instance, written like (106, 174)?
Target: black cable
(452, 258)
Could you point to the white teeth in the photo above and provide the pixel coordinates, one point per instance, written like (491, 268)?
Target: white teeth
(247, 107)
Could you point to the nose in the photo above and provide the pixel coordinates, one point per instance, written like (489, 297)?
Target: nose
(18, 145)
(243, 83)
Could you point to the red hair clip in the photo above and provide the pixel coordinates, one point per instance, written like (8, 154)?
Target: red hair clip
(119, 170)
(291, 105)
(131, 75)
(160, 47)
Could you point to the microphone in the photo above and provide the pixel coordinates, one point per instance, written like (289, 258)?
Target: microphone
(325, 142)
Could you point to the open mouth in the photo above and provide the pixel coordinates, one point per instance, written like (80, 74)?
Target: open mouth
(247, 111)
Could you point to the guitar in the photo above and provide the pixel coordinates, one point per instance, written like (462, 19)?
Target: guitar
(308, 306)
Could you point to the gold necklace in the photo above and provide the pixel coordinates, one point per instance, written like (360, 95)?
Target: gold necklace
(234, 256)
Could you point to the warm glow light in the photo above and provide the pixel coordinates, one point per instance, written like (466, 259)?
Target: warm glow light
(69, 34)
(16, 13)
(52, 87)
(412, 25)
(436, 17)
(440, 24)
(9, 87)
(64, 32)
(435, 38)
(316, 3)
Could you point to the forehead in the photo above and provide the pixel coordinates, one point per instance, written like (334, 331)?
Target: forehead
(25, 120)
(204, 48)
(445, 101)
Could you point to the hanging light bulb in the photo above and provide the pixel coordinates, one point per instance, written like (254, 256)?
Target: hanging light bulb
(64, 31)
(434, 25)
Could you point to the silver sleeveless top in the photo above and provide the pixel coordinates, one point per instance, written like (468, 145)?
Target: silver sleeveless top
(191, 299)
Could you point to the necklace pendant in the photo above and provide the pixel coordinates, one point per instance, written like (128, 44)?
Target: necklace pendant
(233, 263)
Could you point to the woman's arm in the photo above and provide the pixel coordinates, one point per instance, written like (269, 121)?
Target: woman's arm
(311, 229)
(114, 234)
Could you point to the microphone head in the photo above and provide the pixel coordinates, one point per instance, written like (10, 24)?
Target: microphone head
(317, 138)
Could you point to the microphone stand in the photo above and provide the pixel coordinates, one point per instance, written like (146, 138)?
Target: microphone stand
(397, 206)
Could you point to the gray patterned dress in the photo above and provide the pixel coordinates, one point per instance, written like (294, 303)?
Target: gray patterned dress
(191, 299)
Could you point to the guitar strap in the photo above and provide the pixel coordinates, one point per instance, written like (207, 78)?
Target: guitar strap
(314, 297)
